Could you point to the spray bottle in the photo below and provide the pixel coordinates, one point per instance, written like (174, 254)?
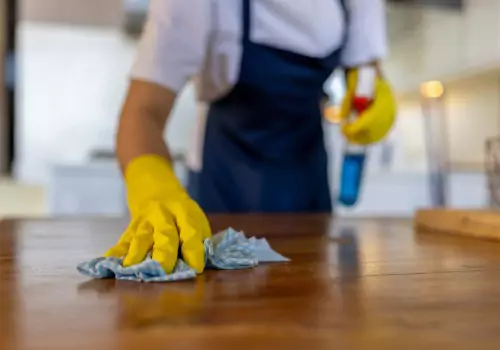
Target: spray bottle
(354, 156)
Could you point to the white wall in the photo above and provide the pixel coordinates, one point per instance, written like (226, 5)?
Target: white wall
(72, 83)
(463, 50)
(473, 115)
(442, 44)
(409, 138)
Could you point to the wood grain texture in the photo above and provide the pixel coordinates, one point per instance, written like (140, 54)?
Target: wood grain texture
(365, 284)
(481, 224)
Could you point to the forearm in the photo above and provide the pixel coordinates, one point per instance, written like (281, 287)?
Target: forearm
(142, 123)
(138, 135)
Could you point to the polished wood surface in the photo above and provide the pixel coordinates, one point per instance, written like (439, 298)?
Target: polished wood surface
(480, 224)
(367, 284)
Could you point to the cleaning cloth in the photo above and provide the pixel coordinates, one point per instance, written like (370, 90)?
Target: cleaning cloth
(227, 250)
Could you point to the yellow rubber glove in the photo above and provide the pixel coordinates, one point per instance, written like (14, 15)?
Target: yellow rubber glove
(163, 217)
(376, 121)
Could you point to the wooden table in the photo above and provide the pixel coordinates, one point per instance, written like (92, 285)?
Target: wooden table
(369, 284)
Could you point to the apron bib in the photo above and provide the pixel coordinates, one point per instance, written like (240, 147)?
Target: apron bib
(263, 147)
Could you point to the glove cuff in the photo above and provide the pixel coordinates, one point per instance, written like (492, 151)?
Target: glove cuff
(149, 178)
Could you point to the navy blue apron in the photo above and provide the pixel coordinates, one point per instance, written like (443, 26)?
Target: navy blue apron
(264, 149)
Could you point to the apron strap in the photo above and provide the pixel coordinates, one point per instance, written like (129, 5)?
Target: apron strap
(246, 8)
(343, 4)
(345, 10)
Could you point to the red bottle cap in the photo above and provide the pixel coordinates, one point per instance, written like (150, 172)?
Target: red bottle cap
(359, 104)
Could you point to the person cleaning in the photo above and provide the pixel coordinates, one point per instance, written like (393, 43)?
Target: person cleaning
(260, 66)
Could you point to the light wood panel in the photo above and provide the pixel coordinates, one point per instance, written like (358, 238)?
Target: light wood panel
(481, 224)
(79, 12)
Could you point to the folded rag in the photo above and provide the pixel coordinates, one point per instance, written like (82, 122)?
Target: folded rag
(227, 250)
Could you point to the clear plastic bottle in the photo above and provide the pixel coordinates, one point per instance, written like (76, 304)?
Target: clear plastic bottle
(354, 156)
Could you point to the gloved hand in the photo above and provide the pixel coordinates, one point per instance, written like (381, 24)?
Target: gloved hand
(163, 217)
(376, 121)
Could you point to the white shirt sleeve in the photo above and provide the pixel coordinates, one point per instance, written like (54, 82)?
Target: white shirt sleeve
(173, 44)
(366, 32)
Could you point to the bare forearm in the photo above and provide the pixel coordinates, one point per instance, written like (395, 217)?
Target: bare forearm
(142, 123)
(137, 136)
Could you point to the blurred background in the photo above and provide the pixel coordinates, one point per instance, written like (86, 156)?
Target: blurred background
(63, 74)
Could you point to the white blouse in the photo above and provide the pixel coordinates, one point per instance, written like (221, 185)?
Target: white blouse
(201, 39)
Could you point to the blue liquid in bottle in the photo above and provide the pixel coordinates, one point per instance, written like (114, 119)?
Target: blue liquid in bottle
(351, 177)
